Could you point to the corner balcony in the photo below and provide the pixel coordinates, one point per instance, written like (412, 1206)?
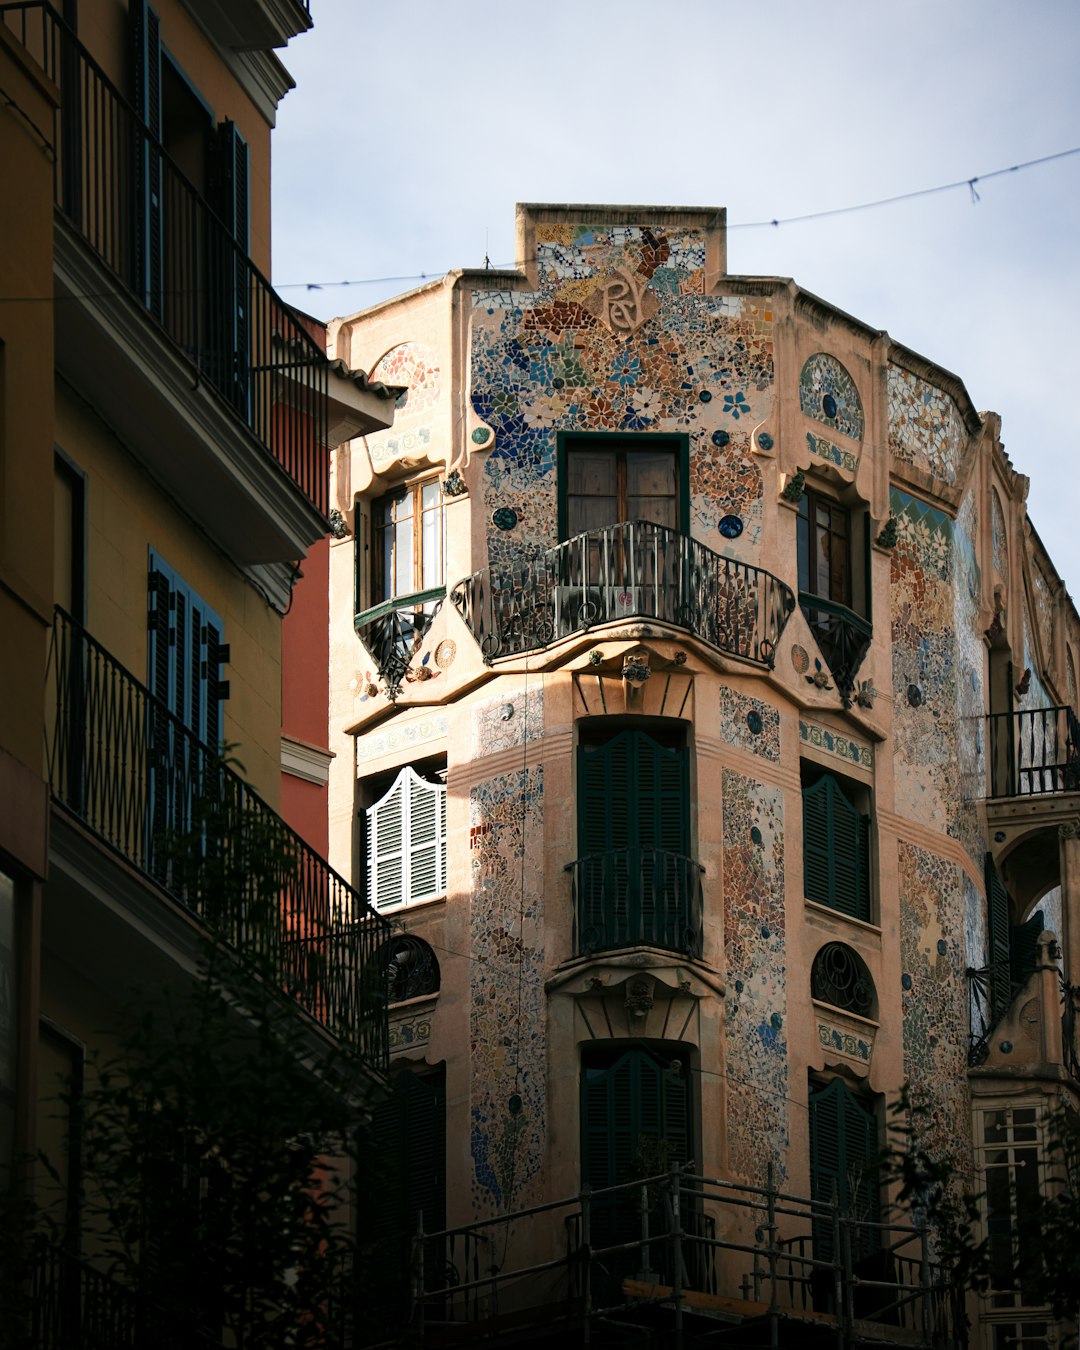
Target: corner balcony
(198, 851)
(165, 327)
(636, 897)
(1033, 752)
(843, 636)
(636, 570)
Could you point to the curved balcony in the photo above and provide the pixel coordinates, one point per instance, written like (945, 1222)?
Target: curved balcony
(843, 636)
(636, 897)
(636, 570)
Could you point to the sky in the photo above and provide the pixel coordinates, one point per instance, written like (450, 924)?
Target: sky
(415, 128)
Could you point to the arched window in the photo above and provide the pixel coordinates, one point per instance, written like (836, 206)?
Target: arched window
(840, 977)
(406, 843)
(410, 967)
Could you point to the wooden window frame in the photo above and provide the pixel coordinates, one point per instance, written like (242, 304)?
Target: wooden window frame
(808, 531)
(383, 592)
(624, 443)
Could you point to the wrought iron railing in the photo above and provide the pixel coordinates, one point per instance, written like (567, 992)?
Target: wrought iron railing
(843, 636)
(75, 1304)
(636, 897)
(393, 630)
(168, 249)
(633, 570)
(132, 773)
(1034, 751)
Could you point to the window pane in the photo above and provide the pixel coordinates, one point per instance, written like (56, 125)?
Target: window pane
(592, 498)
(431, 549)
(403, 559)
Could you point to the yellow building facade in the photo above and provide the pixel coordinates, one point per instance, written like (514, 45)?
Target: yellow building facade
(165, 429)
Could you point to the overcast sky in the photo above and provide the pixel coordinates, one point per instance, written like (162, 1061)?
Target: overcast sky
(414, 128)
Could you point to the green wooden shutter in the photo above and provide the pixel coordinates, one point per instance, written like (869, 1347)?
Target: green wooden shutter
(843, 1163)
(836, 850)
(997, 905)
(146, 64)
(1024, 949)
(633, 800)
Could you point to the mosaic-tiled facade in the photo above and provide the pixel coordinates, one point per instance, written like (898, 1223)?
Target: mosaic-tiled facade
(507, 1044)
(627, 327)
(925, 427)
(935, 998)
(551, 360)
(755, 956)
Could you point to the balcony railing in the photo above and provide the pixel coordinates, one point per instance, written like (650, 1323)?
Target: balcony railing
(843, 636)
(636, 897)
(633, 570)
(171, 252)
(74, 1304)
(393, 630)
(1033, 752)
(133, 774)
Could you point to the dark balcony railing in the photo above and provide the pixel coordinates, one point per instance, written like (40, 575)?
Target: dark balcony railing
(843, 636)
(633, 570)
(130, 770)
(393, 630)
(636, 897)
(165, 246)
(1033, 752)
(74, 1304)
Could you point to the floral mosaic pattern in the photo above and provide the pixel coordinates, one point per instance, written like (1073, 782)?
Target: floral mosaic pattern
(755, 945)
(827, 393)
(935, 998)
(750, 723)
(925, 427)
(413, 365)
(401, 736)
(620, 336)
(507, 1016)
(843, 747)
(502, 723)
(823, 449)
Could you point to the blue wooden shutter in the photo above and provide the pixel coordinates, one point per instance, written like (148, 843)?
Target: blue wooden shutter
(146, 43)
(185, 653)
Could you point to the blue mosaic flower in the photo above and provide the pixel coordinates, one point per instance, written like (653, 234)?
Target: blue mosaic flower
(626, 371)
(736, 405)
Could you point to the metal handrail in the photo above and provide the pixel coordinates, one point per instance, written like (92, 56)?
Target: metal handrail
(636, 569)
(843, 636)
(177, 258)
(130, 770)
(636, 897)
(1033, 751)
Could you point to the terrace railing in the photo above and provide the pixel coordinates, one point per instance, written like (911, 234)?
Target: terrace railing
(843, 636)
(173, 254)
(633, 570)
(636, 897)
(1034, 751)
(133, 774)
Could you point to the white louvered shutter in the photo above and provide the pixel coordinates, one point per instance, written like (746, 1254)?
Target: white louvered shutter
(407, 843)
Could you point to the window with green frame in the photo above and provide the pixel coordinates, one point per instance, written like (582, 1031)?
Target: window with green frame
(606, 478)
(836, 846)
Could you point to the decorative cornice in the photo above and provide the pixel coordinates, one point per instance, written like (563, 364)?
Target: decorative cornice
(302, 760)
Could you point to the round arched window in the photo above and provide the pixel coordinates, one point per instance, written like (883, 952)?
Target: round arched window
(410, 968)
(840, 977)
